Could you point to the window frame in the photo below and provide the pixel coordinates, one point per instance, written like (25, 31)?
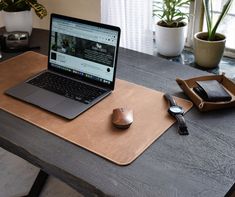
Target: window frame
(195, 24)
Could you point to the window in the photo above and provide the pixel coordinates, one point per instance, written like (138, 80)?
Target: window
(197, 23)
(135, 20)
(227, 26)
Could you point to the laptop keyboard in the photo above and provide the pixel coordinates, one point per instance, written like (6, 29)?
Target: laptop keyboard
(67, 87)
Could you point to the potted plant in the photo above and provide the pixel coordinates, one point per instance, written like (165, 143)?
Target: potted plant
(209, 46)
(17, 15)
(170, 30)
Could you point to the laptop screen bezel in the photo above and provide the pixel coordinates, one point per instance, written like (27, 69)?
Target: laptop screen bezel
(73, 75)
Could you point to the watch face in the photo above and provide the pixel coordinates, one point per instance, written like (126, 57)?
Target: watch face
(176, 110)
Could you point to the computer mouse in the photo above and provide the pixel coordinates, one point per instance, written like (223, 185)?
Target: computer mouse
(122, 118)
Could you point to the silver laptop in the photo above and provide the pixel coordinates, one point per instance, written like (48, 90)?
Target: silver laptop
(81, 70)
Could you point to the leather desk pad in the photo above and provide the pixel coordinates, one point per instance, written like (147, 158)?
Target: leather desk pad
(93, 129)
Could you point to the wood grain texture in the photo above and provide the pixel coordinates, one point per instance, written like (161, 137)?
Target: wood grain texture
(93, 130)
(201, 164)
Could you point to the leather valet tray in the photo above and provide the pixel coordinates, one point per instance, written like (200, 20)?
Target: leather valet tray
(188, 85)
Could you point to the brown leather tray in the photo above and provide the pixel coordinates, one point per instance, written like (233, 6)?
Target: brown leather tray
(188, 85)
(93, 129)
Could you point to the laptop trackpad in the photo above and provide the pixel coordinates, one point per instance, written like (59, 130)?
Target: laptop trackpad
(44, 99)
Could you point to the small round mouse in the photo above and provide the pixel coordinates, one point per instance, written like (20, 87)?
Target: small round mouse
(122, 118)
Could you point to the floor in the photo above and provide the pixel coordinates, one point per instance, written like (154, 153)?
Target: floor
(17, 176)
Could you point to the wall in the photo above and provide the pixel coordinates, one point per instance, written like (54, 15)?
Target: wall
(85, 9)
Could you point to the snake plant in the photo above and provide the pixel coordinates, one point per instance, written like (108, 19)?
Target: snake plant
(22, 5)
(209, 17)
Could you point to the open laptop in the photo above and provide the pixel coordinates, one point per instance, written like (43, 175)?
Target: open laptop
(81, 70)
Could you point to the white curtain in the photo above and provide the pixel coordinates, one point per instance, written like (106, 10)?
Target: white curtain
(134, 17)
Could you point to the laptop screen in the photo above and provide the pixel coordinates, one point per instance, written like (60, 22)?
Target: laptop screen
(84, 49)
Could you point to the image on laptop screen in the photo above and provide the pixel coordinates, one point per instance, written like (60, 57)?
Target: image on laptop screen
(82, 49)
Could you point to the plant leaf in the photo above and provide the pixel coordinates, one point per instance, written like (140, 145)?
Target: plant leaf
(208, 16)
(40, 10)
(3, 5)
(22, 5)
(171, 11)
(224, 11)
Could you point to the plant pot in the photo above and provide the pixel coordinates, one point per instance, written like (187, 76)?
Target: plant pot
(170, 40)
(18, 21)
(208, 53)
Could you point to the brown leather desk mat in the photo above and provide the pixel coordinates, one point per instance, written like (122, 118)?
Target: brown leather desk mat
(93, 130)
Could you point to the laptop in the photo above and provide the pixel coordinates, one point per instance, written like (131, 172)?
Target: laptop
(82, 62)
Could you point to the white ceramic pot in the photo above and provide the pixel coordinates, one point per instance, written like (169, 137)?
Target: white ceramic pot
(208, 53)
(18, 21)
(170, 40)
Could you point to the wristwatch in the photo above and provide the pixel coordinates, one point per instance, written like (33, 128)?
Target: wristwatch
(177, 112)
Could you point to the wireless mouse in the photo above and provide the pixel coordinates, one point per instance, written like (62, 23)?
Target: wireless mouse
(122, 118)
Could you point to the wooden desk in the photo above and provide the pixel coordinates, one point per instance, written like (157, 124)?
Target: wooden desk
(201, 164)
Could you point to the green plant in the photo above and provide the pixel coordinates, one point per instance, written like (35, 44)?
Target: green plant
(22, 5)
(170, 12)
(209, 17)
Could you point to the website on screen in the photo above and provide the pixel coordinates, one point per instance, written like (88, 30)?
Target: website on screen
(82, 49)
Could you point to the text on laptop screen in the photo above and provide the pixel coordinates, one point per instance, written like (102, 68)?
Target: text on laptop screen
(86, 50)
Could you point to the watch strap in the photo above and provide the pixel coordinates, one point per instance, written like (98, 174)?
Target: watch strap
(170, 99)
(182, 127)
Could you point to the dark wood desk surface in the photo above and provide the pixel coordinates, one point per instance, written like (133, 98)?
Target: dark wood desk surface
(201, 164)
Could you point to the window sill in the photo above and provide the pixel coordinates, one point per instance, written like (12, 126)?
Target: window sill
(227, 65)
